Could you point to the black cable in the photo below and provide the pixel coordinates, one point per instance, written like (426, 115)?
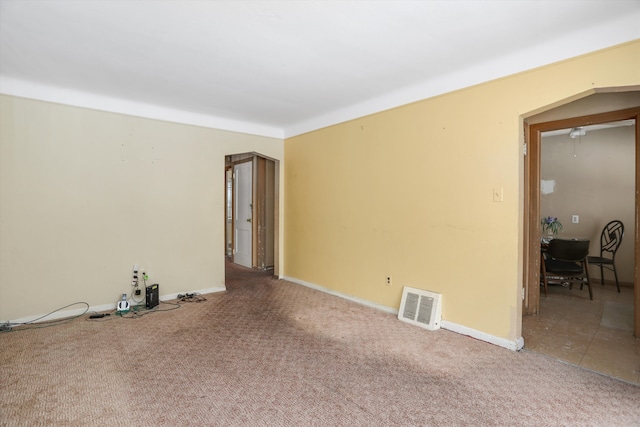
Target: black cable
(144, 280)
(133, 298)
(99, 315)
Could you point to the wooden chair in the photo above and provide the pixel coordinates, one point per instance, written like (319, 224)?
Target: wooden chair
(566, 262)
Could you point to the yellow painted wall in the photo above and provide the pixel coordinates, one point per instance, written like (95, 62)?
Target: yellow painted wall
(86, 194)
(409, 193)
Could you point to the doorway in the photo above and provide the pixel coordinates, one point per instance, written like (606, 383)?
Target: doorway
(531, 303)
(252, 211)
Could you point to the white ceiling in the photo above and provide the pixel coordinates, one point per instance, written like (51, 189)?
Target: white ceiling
(281, 68)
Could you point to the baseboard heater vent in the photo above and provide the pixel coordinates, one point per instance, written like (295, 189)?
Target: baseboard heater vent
(421, 308)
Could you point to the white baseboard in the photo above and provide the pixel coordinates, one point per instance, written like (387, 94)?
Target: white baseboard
(450, 326)
(483, 336)
(96, 308)
(341, 295)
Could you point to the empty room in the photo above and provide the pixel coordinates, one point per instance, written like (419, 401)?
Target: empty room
(279, 213)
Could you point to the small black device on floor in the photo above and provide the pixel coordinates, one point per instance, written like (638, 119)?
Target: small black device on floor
(152, 296)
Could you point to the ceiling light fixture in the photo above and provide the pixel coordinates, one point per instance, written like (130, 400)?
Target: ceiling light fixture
(576, 132)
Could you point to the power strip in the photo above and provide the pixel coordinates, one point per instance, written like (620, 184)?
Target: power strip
(134, 276)
(135, 281)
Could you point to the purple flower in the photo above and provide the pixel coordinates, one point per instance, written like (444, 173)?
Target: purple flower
(551, 223)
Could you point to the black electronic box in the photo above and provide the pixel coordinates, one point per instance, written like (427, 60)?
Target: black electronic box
(152, 296)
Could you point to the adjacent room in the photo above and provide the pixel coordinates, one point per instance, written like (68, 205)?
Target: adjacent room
(587, 183)
(267, 180)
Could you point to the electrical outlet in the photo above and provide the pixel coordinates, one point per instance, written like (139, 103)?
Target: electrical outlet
(388, 281)
(134, 276)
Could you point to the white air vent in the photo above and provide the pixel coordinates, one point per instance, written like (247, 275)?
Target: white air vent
(421, 308)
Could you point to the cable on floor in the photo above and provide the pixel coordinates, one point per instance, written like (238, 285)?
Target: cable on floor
(190, 297)
(6, 327)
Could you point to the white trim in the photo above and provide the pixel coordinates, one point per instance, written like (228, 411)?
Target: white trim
(341, 295)
(450, 326)
(91, 309)
(483, 336)
(25, 89)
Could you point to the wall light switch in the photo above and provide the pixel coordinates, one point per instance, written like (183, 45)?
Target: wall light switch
(498, 194)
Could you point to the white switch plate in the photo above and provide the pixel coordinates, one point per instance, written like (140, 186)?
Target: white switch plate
(575, 219)
(498, 194)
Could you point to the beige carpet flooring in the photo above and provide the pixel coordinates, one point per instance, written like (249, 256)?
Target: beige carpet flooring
(271, 353)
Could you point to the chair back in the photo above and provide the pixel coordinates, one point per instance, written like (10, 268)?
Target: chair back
(611, 237)
(568, 250)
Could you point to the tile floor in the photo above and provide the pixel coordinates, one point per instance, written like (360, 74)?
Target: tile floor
(596, 335)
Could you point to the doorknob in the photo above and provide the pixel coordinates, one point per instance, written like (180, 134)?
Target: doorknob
(248, 219)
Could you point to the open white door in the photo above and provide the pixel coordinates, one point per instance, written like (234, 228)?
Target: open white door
(243, 177)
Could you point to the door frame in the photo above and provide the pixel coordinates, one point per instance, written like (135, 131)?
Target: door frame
(531, 238)
(254, 157)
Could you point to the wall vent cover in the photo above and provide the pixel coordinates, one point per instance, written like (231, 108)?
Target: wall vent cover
(421, 308)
